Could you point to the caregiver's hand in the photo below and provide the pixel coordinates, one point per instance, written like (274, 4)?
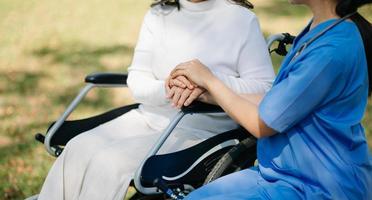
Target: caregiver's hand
(194, 71)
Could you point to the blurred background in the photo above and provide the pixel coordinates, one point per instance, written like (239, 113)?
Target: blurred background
(47, 48)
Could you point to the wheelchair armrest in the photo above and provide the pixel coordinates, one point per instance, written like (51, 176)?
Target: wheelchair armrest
(107, 78)
(200, 107)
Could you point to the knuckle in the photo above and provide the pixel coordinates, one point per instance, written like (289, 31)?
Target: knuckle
(184, 95)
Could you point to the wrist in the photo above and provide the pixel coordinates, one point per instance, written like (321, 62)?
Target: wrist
(211, 82)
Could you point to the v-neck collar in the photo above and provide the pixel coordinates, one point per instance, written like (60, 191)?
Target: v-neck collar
(308, 33)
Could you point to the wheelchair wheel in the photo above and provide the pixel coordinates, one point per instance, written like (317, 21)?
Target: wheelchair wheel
(240, 157)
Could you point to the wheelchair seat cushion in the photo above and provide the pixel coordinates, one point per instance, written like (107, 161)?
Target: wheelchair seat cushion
(192, 165)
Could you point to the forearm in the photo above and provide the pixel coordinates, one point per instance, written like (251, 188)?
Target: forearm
(147, 90)
(245, 84)
(243, 110)
(253, 98)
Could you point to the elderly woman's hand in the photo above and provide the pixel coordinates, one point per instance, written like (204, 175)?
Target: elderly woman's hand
(179, 81)
(194, 71)
(183, 96)
(181, 91)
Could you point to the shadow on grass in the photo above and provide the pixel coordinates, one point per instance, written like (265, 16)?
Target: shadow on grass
(100, 100)
(81, 58)
(80, 54)
(16, 149)
(19, 171)
(283, 9)
(22, 83)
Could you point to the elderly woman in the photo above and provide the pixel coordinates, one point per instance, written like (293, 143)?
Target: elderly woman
(100, 163)
(311, 144)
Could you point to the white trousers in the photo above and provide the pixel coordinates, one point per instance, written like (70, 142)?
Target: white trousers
(100, 163)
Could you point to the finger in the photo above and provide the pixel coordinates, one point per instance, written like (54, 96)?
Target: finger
(171, 92)
(179, 83)
(167, 91)
(171, 84)
(181, 66)
(193, 96)
(179, 72)
(185, 94)
(167, 87)
(185, 81)
(176, 96)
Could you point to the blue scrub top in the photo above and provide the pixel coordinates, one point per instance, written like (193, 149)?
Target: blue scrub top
(316, 105)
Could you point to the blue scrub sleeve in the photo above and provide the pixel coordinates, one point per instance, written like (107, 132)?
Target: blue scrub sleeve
(308, 83)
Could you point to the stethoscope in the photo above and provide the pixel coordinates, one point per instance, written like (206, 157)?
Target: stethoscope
(306, 44)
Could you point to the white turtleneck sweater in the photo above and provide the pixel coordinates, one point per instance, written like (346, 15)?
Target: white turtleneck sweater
(223, 36)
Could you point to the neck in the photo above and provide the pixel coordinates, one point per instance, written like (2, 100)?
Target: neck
(322, 10)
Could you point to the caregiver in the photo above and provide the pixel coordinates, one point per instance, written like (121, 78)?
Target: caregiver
(311, 144)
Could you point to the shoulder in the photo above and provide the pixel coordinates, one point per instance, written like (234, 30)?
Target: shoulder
(237, 13)
(343, 44)
(345, 38)
(349, 43)
(330, 58)
(153, 16)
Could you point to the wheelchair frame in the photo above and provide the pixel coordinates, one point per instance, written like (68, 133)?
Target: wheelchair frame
(111, 80)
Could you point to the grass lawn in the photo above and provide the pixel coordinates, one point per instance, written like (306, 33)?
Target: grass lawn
(47, 48)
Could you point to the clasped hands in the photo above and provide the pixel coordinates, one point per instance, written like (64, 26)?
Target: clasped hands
(186, 83)
(181, 92)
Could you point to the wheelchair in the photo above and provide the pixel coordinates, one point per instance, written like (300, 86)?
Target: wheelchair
(172, 175)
